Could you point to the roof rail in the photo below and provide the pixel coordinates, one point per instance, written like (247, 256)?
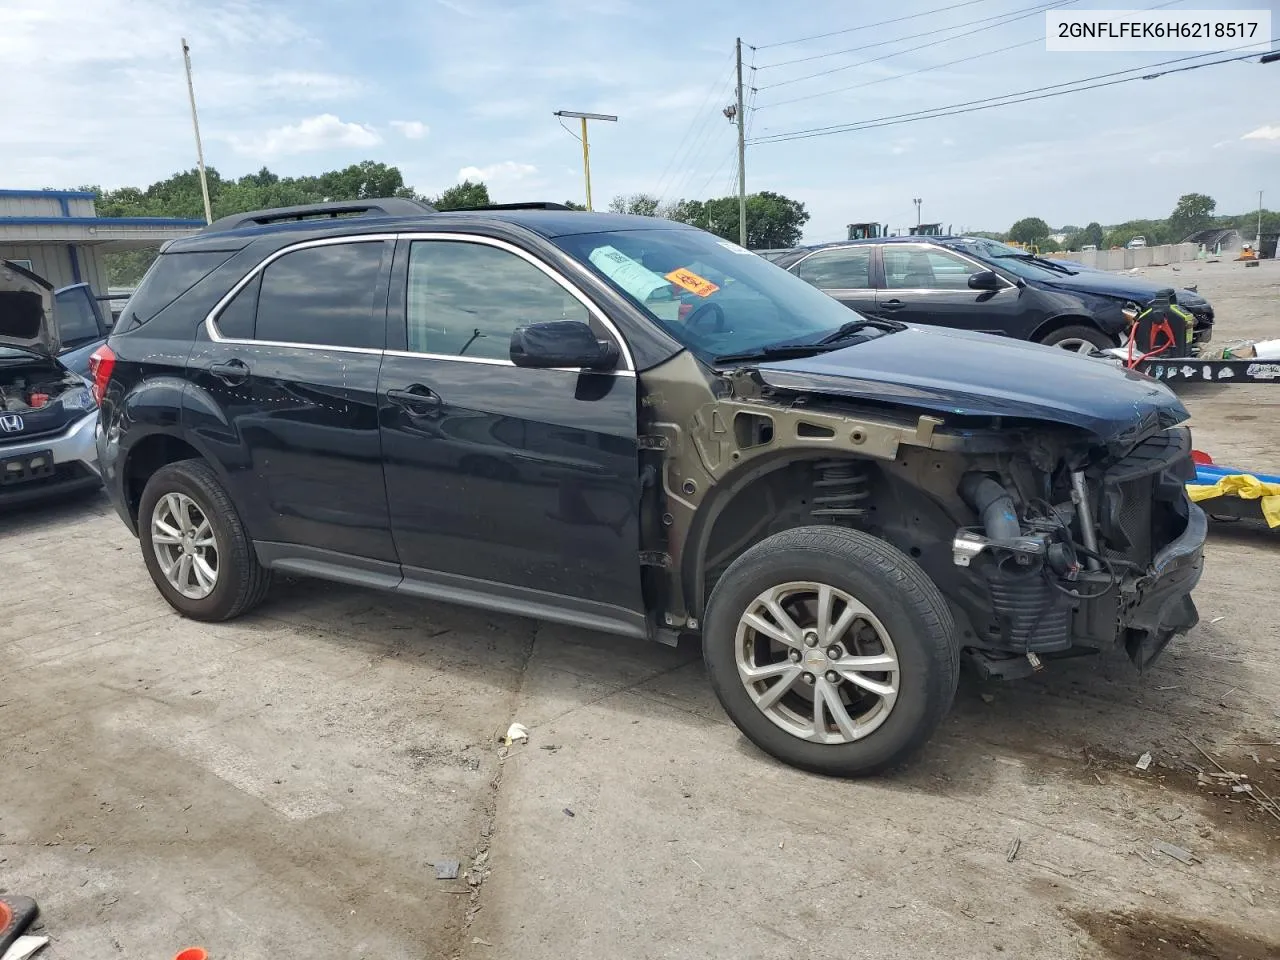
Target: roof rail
(527, 205)
(375, 207)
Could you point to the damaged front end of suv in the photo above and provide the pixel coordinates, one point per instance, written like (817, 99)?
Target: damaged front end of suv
(1043, 493)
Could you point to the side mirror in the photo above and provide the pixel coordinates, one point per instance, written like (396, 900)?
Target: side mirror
(561, 343)
(984, 280)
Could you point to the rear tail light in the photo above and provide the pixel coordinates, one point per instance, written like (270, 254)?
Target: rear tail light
(101, 363)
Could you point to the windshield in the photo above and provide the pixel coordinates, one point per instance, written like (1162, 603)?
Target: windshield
(1016, 261)
(715, 297)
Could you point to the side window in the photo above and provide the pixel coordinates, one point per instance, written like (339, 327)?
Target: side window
(913, 268)
(323, 296)
(236, 319)
(846, 269)
(465, 299)
(77, 318)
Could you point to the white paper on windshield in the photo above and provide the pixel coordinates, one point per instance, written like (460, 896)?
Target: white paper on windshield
(631, 275)
(733, 247)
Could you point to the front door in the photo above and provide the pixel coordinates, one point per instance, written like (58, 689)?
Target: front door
(505, 481)
(285, 397)
(844, 273)
(926, 284)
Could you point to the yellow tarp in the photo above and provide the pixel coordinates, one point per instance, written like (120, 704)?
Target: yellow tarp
(1246, 487)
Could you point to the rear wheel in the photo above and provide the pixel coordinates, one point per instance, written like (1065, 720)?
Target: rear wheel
(831, 650)
(194, 545)
(1079, 338)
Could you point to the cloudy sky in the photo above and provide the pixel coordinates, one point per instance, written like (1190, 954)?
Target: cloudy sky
(448, 89)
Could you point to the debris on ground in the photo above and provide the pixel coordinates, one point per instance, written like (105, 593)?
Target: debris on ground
(1144, 761)
(25, 947)
(1169, 814)
(482, 943)
(569, 813)
(446, 869)
(1013, 850)
(517, 731)
(1171, 850)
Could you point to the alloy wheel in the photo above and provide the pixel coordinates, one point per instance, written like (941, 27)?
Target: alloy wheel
(185, 546)
(817, 662)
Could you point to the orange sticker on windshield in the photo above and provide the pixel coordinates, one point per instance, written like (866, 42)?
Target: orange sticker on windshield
(698, 286)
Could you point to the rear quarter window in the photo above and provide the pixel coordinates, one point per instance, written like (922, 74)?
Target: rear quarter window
(169, 277)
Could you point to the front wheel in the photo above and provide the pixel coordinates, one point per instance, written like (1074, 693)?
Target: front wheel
(831, 650)
(1079, 338)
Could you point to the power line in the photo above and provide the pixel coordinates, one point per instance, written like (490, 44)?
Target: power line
(936, 66)
(1029, 12)
(868, 26)
(699, 147)
(912, 36)
(693, 122)
(954, 109)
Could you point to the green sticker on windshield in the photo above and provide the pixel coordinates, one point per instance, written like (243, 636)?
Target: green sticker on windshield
(631, 275)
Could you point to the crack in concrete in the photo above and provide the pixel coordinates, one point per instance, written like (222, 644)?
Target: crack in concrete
(478, 872)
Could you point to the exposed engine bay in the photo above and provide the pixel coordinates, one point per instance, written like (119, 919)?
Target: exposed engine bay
(1047, 539)
(26, 386)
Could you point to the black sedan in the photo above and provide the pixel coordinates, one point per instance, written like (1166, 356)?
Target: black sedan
(973, 284)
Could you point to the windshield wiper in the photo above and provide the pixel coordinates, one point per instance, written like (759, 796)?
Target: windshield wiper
(847, 330)
(1038, 261)
(848, 334)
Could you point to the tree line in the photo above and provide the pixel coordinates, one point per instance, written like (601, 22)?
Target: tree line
(1194, 212)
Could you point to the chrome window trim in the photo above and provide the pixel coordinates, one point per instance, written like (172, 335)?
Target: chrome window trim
(628, 368)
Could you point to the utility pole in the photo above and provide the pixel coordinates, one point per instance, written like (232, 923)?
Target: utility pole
(586, 150)
(195, 123)
(917, 201)
(742, 155)
(1257, 241)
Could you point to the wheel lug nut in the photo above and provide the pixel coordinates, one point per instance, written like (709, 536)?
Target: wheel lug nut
(809, 677)
(833, 677)
(794, 655)
(834, 653)
(810, 638)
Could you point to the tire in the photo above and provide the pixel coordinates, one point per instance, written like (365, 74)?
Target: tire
(894, 591)
(1079, 334)
(241, 582)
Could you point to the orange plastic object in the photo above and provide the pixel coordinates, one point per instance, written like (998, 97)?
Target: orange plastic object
(39, 399)
(193, 953)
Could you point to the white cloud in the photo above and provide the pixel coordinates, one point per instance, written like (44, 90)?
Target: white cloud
(411, 129)
(323, 132)
(1266, 132)
(508, 171)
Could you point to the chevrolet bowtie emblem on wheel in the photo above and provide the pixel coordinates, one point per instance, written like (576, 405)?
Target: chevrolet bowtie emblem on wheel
(11, 423)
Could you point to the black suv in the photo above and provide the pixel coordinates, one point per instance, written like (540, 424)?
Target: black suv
(632, 426)
(977, 284)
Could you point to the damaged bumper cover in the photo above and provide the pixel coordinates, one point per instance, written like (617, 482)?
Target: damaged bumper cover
(1162, 606)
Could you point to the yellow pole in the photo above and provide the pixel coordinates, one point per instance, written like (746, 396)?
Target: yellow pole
(586, 161)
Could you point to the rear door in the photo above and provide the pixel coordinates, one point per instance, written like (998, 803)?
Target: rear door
(285, 396)
(845, 273)
(923, 283)
(506, 482)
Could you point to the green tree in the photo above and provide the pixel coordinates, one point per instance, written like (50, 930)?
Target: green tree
(637, 204)
(463, 196)
(1194, 212)
(572, 205)
(1092, 234)
(1048, 245)
(1029, 230)
(773, 221)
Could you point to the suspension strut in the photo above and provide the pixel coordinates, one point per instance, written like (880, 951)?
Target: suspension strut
(839, 491)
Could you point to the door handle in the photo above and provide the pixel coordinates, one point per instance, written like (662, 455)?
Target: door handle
(415, 398)
(894, 304)
(232, 372)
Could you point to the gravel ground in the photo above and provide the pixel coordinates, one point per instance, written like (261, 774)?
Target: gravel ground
(283, 785)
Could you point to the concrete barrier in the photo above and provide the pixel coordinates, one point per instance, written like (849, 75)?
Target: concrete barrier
(1126, 259)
